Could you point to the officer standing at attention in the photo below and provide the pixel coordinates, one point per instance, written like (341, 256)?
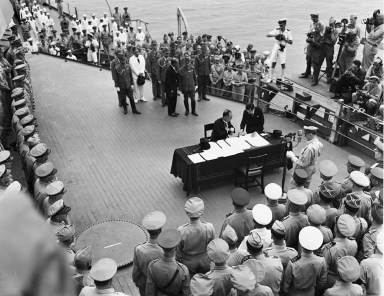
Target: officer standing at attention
(102, 273)
(166, 276)
(46, 173)
(66, 238)
(376, 177)
(273, 192)
(195, 236)
(240, 219)
(309, 154)
(148, 251)
(306, 274)
(188, 84)
(328, 170)
(326, 196)
(203, 69)
(54, 192)
(201, 284)
(83, 264)
(316, 217)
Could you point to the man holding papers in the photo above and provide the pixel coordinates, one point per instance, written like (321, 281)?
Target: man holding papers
(253, 119)
(222, 128)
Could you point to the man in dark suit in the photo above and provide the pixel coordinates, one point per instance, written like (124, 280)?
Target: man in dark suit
(222, 128)
(253, 119)
(122, 76)
(171, 83)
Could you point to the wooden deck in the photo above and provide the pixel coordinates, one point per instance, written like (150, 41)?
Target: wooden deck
(117, 166)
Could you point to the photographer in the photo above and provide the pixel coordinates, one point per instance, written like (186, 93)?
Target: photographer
(329, 41)
(317, 51)
(349, 50)
(368, 97)
(374, 27)
(375, 70)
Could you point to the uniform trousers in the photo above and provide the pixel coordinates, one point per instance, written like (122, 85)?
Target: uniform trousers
(155, 86)
(189, 95)
(329, 51)
(203, 82)
(123, 94)
(249, 93)
(238, 93)
(317, 61)
(308, 60)
(369, 53)
(162, 92)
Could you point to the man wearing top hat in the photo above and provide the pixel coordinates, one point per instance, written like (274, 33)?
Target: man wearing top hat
(309, 154)
(166, 276)
(148, 251)
(283, 37)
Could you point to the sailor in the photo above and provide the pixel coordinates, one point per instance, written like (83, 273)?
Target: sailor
(240, 219)
(279, 247)
(272, 265)
(46, 173)
(66, 238)
(299, 179)
(113, 27)
(328, 170)
(295, 220)
(273, 192)
(74, 22)
(348, 271)
(140, 36)
(218, 252)
(71, 56)
(91, 44)
(54, 192)
(201, 285)
(58, 216)
(83, 264)
(262, 216)
(195, 236)
(306, 274)
(309, 154)
(166, 275)
(102, 273)
(283, 37)
(316, 217)
(326, 195)
(6, 177)
(105, 19)
(258, 270)
(94, 21)
(148, 251)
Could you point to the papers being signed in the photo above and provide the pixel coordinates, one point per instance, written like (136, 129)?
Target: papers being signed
(228, 147)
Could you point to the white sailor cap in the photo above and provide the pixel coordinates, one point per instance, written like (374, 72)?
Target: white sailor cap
(104, 13)
(310, 238)
(84, 15)
(273, 191)
(139, 28)
(154, 220)
(310, 129)
(262, 214)
(93, 14)
(266, 53)
(283, 20)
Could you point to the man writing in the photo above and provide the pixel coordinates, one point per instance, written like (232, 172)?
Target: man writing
(222, 128)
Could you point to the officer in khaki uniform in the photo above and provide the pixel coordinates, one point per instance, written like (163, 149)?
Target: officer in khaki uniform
(258, 270)
(83, 264)
(148, 251)
(102, 273)
(328, 170)
(240, 219)
(58, 216)
(66, 238)
(273, 192)
(306, 274)
(201, 284)
(327, 194)
(40, 153)
(54, 192)
(195, 236)
(316, 217)
(46, 173)
(342, 245)
(166, 276)
(376, 177)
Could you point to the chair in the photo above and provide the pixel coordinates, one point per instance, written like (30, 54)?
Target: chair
(208, 127)
(253, 169)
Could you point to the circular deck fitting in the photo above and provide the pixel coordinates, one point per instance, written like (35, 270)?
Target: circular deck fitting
(115, 239)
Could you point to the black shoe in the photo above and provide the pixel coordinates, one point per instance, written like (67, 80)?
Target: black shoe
(187, 113)
(177, 113)
(314, 83)
(163, 105)
(199, 99)
(206, 99)
(194, 113)
(125, 111)
(304, 75)
(136, 112)
(120, 105)
(173, 115)
(329, 80)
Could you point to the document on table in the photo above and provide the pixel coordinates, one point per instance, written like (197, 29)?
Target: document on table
(238, 143)
(196, 158)
(256, 140)
(209, 154)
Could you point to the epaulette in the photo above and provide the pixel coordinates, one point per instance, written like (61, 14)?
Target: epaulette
(184, 225)
(329, 245)
(229, 214)
(291, 249)
(294, 259)
(372, 231)
(350, 238)
(285, 218)
(318, 253)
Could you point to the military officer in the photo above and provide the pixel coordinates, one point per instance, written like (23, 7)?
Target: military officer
(342, 245)
(240, 219)
(243, 279)
(188, 84)
(5, 177)
(201, 284)
(235, 255)
(102, 273)
(258, 270)
(378, 155)
(66, 238)
(327, 194)
(148, 251)
(40, 152)
(316, 217)
(195, 236)
(166, 276)
(83, 264)
(161, 69)
(58, 216)
(376, 178)
(218, 252)
(46, 173)
(153, 57)
(279, 247)
(295, 220)
(54, 192)
(6, 158)
(348, 271)
(17, 116)
(306, 274)
(309, 154)
(202, 66)
(273, 192)
(299, 179)
(328, 170)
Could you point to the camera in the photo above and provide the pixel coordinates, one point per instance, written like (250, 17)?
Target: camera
(310, 35)
(328, 29)
(280, 37)
(237, 55)
(371, 20)
(342, 38)
(282, 47)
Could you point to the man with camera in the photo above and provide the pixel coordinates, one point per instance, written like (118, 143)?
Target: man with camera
(349, 50)
(375, 30)
(329, 41)
(315, 41)
(375, 70)
(368, 97)
(283, 37)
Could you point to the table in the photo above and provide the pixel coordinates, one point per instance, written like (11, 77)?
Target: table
(192, 175)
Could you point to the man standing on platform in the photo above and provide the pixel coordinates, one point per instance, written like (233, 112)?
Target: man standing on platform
(117, 16)
(188, 85)
(161, 70)
(137, 64)
(171, 83)
(59, 7)
(152, 58)
(222, 128)
(203, 69)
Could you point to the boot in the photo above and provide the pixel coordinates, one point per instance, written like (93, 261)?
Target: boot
(193, 103)
(186, 105)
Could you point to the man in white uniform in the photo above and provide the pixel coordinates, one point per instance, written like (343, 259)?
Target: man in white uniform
(137, 64)
(282, 36)
(140, 36)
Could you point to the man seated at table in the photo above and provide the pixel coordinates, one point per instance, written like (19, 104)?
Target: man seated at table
(222, 128)
(253, 119)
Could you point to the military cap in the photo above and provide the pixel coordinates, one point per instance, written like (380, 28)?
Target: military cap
(229, 235)
(348, 268)
(65, 233)
(103, 270)
(33, 141)
(377, 172)
(104, 25)
(355, 161)
(240, 196)
(257, 268)
(201, 285)
(3, 170)
(194, 207)
(278, 228)
(377, 213)
(15, 186)
(300, 176)
(45, 170)
(262, 214)
(328, 168)
(359, 178)
(116, 8)
(253, 50)
(327, 192)
(379, 144)
(281, 21)
(346, 225)
(53, 31)
(20, 113)
(54, 188)
(297, 196)
(316, 214)
(40, 150)
(310, 238)
(314, 14)
(20, 104)
(19, 77)
(55, 207)
(310, 129)
(27, 120)
(83, 258)
(255, 240)
(169, 238)
(94, 27)
(380, 242)
(218, 250)
(243, 278)
(154, 220)
(273, 191)
(28, 130)
(17, 92)
(125, 8)
(352, 202)
(373, 77)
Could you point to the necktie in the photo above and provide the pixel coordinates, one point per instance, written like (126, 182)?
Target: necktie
(138, 60)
